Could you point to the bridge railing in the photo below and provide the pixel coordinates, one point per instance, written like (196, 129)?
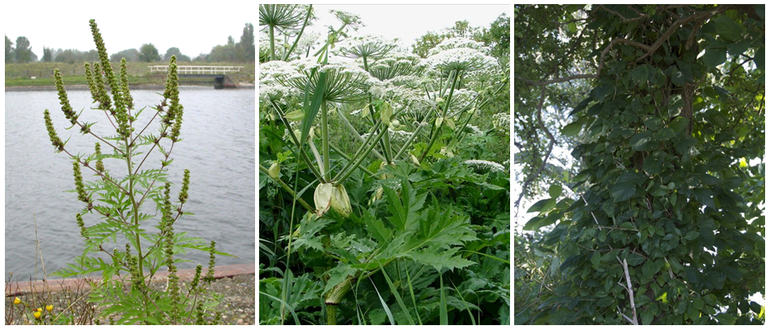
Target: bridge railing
(197, 69)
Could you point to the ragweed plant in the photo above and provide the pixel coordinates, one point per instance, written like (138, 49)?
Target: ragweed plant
(120, 203)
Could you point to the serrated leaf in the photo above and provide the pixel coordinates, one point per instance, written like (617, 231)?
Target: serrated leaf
(679, 124)
(622, 191)
(538, 206)
(604, 302)
(639, 74)
(691, 235)
(727, 28)
(404, 208)
(440, 259)
(677, 77)
(572, 129)
(641, 140)
(596, 258)
(714, 56)
(554, 191)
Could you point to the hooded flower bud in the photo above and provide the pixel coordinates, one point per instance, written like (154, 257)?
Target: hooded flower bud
(340, 201)
(274, 171)
(322, 197)
(415, 160)
(385, 113)
(439, 120)
(450, 123)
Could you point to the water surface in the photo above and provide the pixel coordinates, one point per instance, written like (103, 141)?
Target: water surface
(217, 148)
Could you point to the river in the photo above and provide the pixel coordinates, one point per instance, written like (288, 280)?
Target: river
(217, 147)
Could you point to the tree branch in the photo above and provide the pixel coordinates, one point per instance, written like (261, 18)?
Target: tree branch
(535, 174)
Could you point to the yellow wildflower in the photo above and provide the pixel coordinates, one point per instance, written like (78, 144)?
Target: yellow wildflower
(49, 308)
(17, 301)
(37, 314)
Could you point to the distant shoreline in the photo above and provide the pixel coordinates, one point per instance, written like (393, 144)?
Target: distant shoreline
(85, 87)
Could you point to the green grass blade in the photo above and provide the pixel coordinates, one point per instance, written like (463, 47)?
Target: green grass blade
(411, 293)
(444, 318)
(384, 305)
(283, 303)
(473, 320)
(311, 110)
(394, 291)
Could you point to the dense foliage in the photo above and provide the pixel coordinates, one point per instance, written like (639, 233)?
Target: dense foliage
(660, 220)
(378, 204)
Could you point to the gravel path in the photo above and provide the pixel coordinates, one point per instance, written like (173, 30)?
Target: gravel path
(237, 305)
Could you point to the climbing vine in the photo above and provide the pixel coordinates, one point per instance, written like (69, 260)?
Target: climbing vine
(662, 222)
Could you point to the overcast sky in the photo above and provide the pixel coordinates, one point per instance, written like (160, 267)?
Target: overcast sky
(409, 22)
(196, 27)
(192, 26)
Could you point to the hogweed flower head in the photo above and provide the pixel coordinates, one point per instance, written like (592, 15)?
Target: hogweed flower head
(371, 47)
(459, 54)
(345, 81)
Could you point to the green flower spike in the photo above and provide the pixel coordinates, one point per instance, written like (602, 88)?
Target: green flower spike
(82, 226)
(185, 186)
(55, 141)
(65, 103)
(177, 124)
(101, 94)
(81, 190)
(124, 84)
(98, 154)
(210, 273)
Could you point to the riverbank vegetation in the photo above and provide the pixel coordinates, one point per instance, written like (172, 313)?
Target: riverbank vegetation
(384, 177)
(128, 219)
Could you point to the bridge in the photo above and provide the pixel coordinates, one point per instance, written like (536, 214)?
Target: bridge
(221, 80)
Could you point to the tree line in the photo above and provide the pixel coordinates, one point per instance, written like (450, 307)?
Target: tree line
(241, 51)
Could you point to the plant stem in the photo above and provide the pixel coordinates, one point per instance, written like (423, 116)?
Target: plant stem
(360, 158)
(325, 141)
(361, 167)
(272, 42)
(289, 190)
(294, 45)
(437, 132)
(355, 134)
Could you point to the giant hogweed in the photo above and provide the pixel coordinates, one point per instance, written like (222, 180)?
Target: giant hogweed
(119, 201)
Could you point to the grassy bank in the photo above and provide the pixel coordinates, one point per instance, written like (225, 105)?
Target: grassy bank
(21, 74)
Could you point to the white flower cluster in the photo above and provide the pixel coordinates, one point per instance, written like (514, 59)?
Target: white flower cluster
(492, 166)
(460, 59)
(345, 79)
(367, 46)
(395, 65)
(269, 86)
(461, 99)
(405, 93)
(460, 54)
(502, 121)
(453, 43)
